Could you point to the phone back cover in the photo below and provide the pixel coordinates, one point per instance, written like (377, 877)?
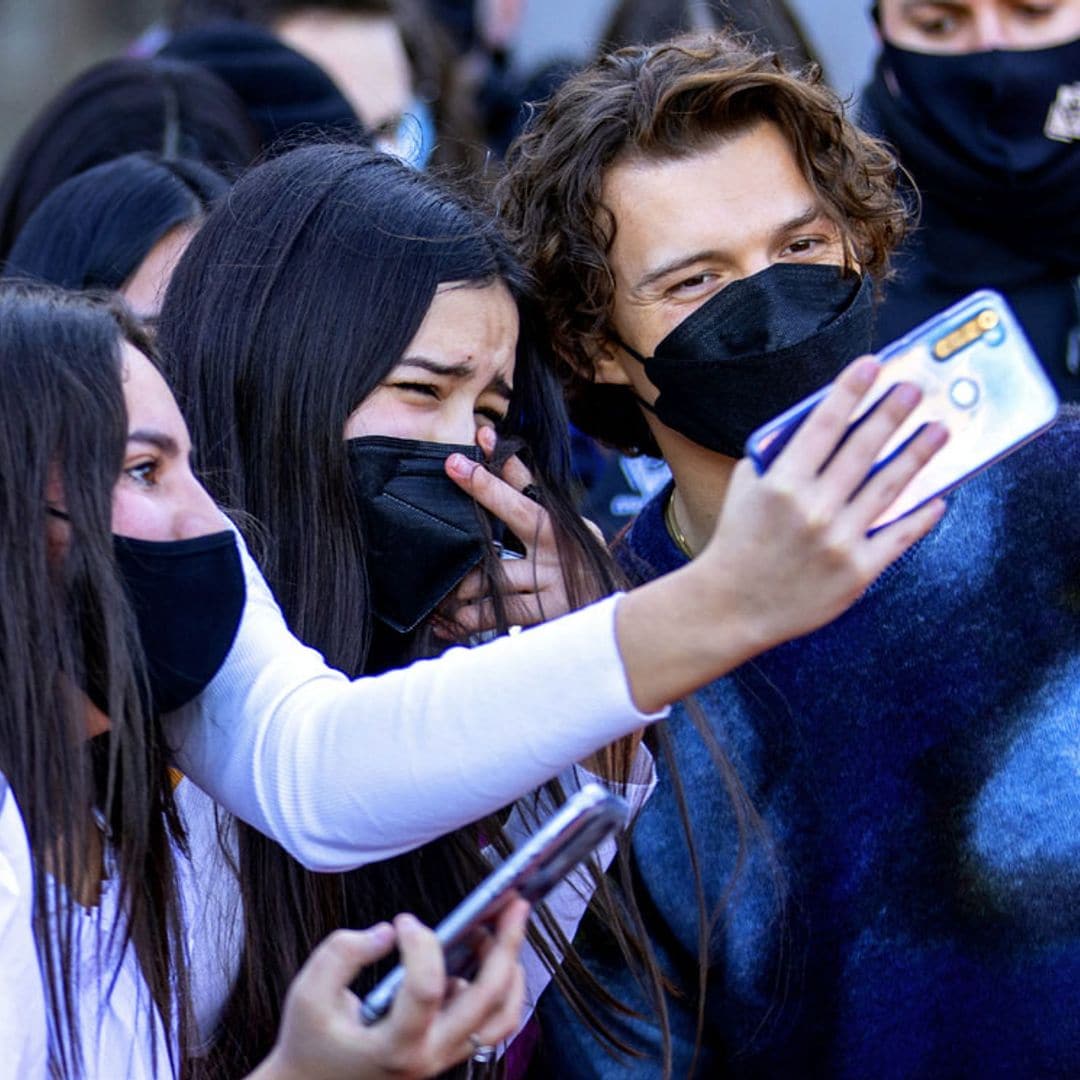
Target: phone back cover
(979, 377)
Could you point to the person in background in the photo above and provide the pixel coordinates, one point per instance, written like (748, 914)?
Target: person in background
(981, 99)
(769, 23)
(120, 227)
(388, 58)
(884, 877)
(288, 97)
(119, 107)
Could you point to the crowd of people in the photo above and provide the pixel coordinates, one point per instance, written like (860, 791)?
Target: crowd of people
(320, 324)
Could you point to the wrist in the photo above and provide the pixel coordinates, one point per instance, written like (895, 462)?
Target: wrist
(275, 1067)
(681, 631)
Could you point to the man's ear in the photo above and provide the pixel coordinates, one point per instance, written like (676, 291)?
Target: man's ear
(609, 362)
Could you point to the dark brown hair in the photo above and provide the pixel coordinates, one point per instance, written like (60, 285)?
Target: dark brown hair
(660, 103)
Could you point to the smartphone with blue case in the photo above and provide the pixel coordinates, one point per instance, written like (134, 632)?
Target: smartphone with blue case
(979, 376)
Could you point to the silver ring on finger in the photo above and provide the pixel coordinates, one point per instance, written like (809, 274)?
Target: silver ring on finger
(483, 1053)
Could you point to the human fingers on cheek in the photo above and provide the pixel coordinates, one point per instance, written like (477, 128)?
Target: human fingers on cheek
(472, 586)
(487, 440)
(475, 618)
(516, 474)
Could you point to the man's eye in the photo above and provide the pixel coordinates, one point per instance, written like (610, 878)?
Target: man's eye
(692, 284)
(803, 246)
(496, 416)
(939, 26)
(1034, 12)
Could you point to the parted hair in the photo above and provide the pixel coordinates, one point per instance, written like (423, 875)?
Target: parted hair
(660, 103)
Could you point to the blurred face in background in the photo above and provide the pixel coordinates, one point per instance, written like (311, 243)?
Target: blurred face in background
(363, 54)
(965, 26)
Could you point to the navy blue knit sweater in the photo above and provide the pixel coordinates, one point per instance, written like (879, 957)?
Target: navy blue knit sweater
(910, 905)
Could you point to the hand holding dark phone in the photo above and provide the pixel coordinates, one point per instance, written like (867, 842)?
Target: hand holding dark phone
(583, 823)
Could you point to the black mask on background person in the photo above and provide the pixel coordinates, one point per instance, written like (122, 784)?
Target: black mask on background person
(422, 533)
(756, 348)
(188, 598)
(993, 137)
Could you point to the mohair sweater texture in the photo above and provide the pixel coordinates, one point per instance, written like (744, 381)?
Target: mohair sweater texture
(910, 904)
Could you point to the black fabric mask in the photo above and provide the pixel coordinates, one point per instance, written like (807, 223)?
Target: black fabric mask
(756, 348)
(992, 138)
(422, 533)
(188, 597)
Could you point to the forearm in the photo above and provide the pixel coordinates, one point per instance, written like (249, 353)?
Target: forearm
(342, 773)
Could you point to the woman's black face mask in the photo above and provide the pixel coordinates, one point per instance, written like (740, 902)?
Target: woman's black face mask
(422, 533)
(188, 598)
(756, 348)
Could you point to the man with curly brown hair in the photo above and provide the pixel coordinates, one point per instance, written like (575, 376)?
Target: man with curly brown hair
(863, 854)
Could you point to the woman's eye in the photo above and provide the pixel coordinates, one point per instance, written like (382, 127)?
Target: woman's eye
(427, 389)
(142, 472)
(496, 416)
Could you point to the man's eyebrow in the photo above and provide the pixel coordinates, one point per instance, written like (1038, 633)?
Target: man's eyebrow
(807, 217)
(954, 6)
(165, 443)
(810, 214)
(455, 371)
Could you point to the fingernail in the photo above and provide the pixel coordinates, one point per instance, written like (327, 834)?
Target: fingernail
(937, 434)
(380, 932)
(908, 395)
(459, 465)
(405, 921)
(487, 438)
(864, 373)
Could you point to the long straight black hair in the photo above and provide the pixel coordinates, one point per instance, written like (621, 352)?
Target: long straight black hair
(296, 299)
(94, 230)
(65, 623)
(124, 106)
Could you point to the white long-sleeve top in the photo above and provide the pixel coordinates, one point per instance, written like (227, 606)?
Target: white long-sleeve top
(22, 999)
(341, 773)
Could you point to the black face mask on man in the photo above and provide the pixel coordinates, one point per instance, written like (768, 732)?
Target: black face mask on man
(756, 348)
(992, 136)
(188, 598)
(422, 533)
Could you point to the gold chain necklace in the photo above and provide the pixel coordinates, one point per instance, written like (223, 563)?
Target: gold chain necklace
(673, 529)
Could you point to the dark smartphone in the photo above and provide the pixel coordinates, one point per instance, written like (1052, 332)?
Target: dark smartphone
(580, 825)
(979, 376)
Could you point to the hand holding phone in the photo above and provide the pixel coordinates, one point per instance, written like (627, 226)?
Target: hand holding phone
(978, 375)
(583, 823)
